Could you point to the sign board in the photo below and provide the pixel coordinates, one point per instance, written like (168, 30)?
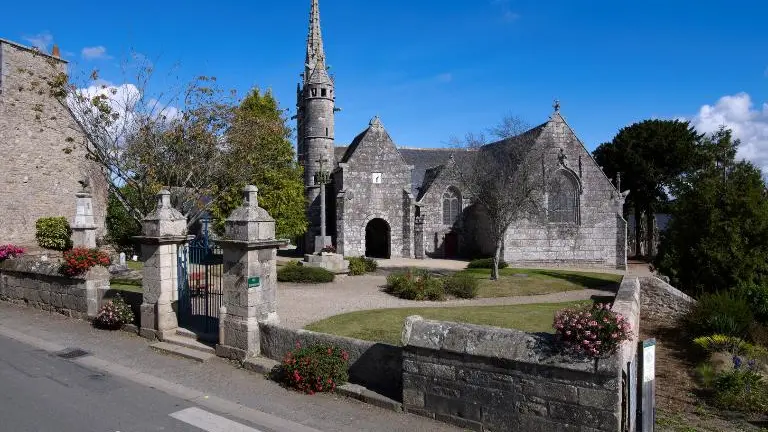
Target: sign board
(647, 414)
(649, 360)
(254, 281)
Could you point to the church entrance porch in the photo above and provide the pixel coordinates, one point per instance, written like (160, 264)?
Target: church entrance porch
(377, 239)
(450, 245)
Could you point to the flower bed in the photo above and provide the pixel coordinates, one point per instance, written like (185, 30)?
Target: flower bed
(79, 260)
(10, 251)
(317, 368)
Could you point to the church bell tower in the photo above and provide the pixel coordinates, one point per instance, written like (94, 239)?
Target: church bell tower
(315, 125)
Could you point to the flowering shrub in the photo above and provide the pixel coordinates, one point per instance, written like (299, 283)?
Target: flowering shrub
(10, 251)
(742, 388)
(317, 368)
(594, 331)
(114, 314)
(79, 260)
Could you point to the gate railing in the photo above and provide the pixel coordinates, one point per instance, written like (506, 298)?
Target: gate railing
(200, 283)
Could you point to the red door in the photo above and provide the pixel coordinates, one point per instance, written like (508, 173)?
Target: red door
(451, 245)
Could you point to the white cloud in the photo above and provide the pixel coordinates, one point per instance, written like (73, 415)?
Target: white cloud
(40, 40)
(95, 52)
(444, 77)
(748, 123)
(505, 10)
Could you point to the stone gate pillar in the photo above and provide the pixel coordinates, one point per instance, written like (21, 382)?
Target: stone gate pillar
(163, 231)
(418, 237)
(250, 278)
(83, 227)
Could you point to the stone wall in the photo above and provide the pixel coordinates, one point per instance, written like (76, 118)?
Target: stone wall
(42, 148)
(487, 378)
(597, 238)
(377, 366)
(39, 284)
(662, 299)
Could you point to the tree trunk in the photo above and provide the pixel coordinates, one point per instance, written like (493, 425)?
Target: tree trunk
(496, 259)
(638, 232)
(651, 228)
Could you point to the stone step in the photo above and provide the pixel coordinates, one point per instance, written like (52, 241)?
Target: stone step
(188, 342)
(186, 333)
(181, 351)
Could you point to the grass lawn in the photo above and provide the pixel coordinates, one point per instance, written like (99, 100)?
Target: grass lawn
(126, 287)
(385, 325)
(134, 265)
(520, 282)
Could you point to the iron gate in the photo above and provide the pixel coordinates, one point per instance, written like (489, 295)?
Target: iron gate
(200, 284)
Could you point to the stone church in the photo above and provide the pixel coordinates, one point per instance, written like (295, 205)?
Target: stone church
(385, 201)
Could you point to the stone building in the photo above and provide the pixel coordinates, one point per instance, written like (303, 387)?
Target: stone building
(43, 160)
(385, 201)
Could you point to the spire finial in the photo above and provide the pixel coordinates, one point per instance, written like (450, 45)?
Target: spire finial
(556, 105)
(315, 50)
(375, 122)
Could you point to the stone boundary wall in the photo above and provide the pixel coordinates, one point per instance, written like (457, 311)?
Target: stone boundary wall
(376, 366)
(488, 378)
(39, 284)
(662, 299)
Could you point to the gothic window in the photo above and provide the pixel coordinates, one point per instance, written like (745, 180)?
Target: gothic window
(451, 206)
(314, 92)
(563, 203)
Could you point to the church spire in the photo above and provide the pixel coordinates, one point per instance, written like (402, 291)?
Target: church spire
(315, 52)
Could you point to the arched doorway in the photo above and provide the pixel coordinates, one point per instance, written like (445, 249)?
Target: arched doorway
(377, 239)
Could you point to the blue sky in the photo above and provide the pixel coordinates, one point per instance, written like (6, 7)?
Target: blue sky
(432, 69)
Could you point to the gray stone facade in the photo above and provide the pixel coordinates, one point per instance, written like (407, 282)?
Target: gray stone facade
(380, 191)
(42, 149)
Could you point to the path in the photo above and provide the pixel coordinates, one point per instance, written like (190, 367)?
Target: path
(302, 304)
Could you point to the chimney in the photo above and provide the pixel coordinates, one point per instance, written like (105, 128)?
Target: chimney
(55, 52)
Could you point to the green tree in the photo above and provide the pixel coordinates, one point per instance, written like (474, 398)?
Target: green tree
(718, 235)
(651, 156)
(258, 142)
(121, 225)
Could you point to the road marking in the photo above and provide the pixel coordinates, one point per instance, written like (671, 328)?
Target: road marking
(208, 422)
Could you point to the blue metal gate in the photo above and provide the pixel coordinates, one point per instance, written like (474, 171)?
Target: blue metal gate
(200, 268)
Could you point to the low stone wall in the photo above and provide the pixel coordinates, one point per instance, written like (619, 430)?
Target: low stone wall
(488, 378)
(39, 284)
(376, 366)
(662, 299)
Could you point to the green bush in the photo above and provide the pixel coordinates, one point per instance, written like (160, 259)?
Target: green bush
(461, 285)
(722, 313)
(485, 263)
(415, 284)
(741, 389)
(297, 273)
(53, 233)
(757, 297)
(361, 265)
(318, 368)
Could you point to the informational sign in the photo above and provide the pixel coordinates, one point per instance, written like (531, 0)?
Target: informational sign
(647, 415)
(649, 360)
(254, 281)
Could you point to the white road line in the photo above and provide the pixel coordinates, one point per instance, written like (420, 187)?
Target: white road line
(210, 422)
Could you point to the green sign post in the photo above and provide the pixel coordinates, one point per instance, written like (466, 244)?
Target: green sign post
(254, 282)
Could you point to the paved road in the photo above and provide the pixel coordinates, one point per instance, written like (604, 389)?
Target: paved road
(215, 387)
(44, 392)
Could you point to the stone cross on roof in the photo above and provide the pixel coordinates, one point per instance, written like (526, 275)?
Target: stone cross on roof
(556, 105)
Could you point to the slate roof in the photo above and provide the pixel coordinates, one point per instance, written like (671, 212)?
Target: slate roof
(428, 162)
